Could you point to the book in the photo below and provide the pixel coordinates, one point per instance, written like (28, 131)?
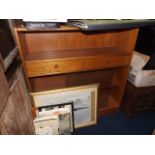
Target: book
(46, 20)
(41, 25)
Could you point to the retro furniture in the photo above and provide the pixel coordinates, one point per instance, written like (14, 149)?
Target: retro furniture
(67, 56)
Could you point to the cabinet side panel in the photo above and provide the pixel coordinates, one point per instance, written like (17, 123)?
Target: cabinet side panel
(126, 40)
(4, 90)
(3, 130)
(22, 88)
(15, 116)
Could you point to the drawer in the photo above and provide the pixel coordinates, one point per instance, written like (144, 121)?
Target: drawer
(49, 67)
(106, 62)
(38, 68)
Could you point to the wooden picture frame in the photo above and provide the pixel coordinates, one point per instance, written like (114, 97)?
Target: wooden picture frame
(84, 100)
(54, 119)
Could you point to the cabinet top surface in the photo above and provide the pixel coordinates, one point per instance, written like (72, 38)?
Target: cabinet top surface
(62, 28)
(93, 25)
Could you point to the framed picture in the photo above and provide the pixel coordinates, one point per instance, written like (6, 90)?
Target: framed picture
(54, 119)
(84, 100)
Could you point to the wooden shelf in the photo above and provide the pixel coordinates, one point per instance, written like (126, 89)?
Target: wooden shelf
(66, 61)
(110, 107)
(74, 54)
(67, 56)
(115, 83)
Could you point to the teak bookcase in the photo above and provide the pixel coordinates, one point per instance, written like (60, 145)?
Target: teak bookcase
(67, 56)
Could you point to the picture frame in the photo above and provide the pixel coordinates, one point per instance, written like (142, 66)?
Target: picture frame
(54, 119)
(84, 100)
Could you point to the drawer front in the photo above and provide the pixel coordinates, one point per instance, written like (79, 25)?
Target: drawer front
(38, 68)
(106, 62)
(47, 67)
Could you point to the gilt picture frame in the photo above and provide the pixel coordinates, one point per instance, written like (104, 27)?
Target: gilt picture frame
(84, 100)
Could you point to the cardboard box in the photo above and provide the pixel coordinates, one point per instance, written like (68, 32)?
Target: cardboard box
(138, 76)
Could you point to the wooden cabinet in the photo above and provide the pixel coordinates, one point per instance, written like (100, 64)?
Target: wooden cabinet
(15, 104)
(16, 117)
(4, 90)
(67, 57)
(70, 61)
(3, 130)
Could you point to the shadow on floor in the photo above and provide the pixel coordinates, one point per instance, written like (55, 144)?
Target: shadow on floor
(119, 124)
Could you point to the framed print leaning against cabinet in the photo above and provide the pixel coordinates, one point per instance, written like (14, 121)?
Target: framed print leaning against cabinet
(84, 100)
(54, 119)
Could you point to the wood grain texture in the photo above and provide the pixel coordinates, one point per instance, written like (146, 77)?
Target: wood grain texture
(126, 40)
(47, 41)
(4, 94)
(103, 77)
(3, 130)
(75, 64)
(16, 117)
(48, 82)
(21, 44)
(50, 57)
(65, 41)
(115, 94)
(12, 119)
(26, 98)
(122, 75)
(74, 53)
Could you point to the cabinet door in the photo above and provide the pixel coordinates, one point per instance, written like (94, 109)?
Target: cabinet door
(2, 128)
(4, 90)
(16, 116)
(22, 88)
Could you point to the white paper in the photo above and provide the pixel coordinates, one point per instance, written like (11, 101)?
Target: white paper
(139, 61)
(46, 126)
(81, 99)
(45, 20)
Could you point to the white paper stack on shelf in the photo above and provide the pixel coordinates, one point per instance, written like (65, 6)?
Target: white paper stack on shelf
(45, 20)
(138, 76)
